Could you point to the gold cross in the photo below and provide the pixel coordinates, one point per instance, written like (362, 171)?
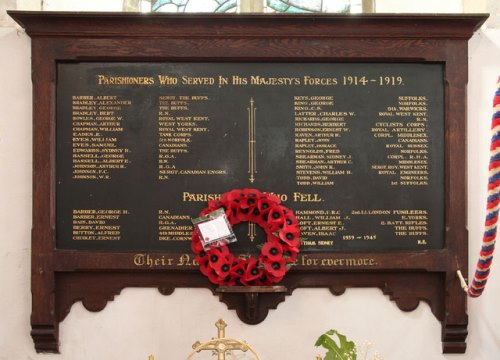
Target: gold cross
(221, 344)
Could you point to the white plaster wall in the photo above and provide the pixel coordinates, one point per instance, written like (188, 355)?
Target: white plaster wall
(15, 192)
(140, 322)
(86, 5)
(484, 70)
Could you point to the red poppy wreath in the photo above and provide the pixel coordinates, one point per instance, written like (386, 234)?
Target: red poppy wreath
(277, 254)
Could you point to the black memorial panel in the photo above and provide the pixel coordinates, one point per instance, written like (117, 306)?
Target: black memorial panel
(356, 150)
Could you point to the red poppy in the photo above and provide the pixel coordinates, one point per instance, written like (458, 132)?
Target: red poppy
(206, 211)
(201, 254)
(227, 281)
(243, 214)
(196, 245)
(273, 198)
(290, 253)
(225, 252)
(273, 236)
(249, 202)
(290, 219)
(276, 215)
(276, 268)
(212, 276)
(237, 271)
(223, 268)
(272, 250)
(231, 196)
(204, 267)
(254, 215)
(265, 205)
(213, 205)
(232, 213)
(264, 279)
(290, 235)
(251, 192)
(273, 226)
(273, 279)
(217, 257)
(252, 271)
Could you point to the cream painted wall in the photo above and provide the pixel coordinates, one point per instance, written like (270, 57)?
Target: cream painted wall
(140, 322)
(421, 6)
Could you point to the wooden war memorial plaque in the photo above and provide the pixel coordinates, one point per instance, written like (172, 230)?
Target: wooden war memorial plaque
(356, 123)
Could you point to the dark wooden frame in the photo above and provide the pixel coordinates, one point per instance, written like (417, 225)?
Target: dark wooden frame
(63, 277)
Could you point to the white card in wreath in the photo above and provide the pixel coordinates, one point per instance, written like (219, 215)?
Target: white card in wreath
(214, 230)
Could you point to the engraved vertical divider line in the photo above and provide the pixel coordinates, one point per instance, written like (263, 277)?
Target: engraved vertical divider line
(251, 231)
(252, 152)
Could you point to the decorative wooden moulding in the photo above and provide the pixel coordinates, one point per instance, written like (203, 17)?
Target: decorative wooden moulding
(394, 215)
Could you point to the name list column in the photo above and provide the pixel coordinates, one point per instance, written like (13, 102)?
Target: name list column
(318, 158)
(97, 127)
